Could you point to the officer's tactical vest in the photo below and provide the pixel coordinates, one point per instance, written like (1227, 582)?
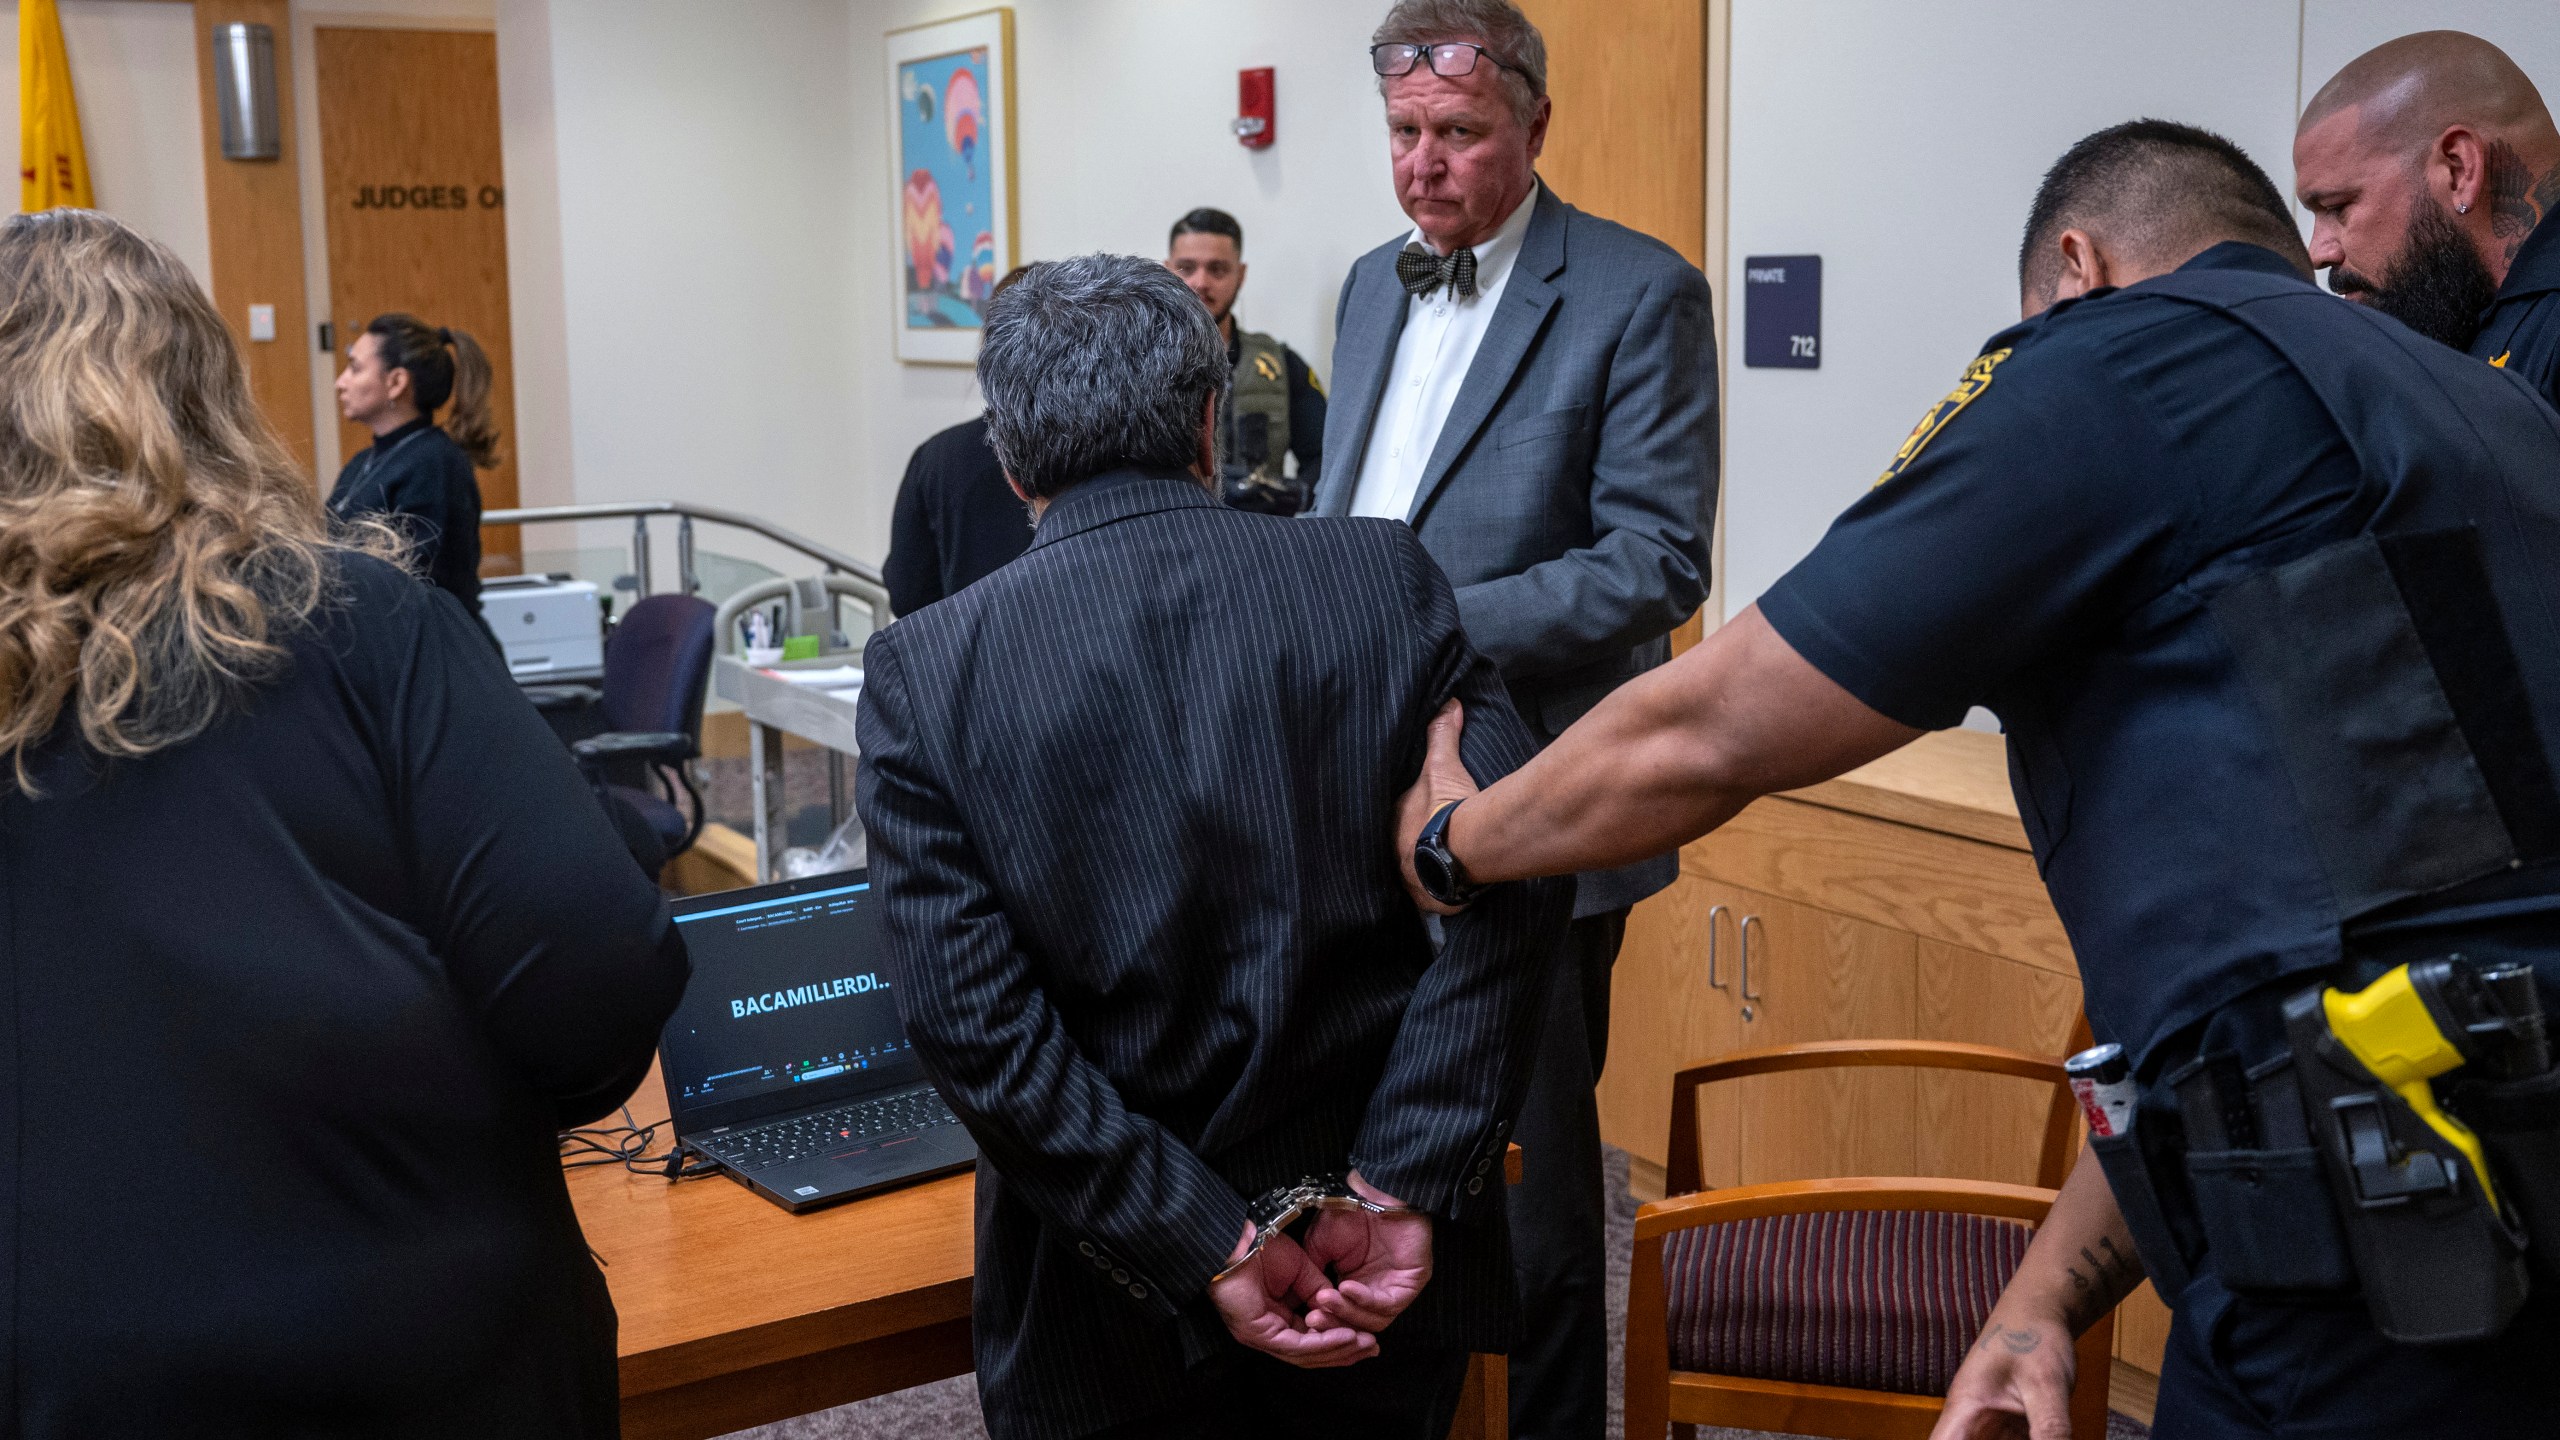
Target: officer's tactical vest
(2411, 673)
(1257, 438)
(2309, 730)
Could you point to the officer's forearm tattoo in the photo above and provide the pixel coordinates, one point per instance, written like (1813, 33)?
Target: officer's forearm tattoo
(2519, 201)
(2101, 1276)
(2009, 1339)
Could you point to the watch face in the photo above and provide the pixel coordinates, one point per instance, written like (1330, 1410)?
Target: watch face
(1433, 870)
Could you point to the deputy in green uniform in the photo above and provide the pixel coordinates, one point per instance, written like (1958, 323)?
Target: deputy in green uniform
(2265, 590)
(2431, 170)
(1276, 409)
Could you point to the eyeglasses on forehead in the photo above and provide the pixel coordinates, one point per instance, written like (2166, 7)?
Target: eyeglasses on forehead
(1449, 59)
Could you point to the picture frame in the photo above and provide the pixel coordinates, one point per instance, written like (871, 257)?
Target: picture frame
(953, 192)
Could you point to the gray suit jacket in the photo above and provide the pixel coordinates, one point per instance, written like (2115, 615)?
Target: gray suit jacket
(1573, 489)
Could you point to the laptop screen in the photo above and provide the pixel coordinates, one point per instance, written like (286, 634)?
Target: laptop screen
(787, 1006)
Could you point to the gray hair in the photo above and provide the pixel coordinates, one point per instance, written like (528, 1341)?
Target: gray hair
(1097, 363)
(1497, 25)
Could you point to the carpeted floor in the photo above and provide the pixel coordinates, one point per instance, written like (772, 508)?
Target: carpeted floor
(949, 1410)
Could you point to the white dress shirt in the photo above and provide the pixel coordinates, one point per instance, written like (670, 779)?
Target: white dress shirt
(1441, 333)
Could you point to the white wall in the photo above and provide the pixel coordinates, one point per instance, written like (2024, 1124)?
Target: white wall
(1123, 126)
(133, 71)
(711, 270)
(1902, 143)
(2337, 31)
(723, 296)
(704, 216)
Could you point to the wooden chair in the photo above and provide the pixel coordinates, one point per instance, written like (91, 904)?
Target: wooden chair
(1921, 1260)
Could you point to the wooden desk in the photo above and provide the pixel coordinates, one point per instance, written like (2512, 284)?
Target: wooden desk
(737, 1313)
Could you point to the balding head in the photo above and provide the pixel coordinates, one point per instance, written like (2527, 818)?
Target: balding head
(2141, 199)
(2425, 163)
(2404, 93)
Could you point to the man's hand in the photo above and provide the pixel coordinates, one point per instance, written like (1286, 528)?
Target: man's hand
(1269, 1305)
(2015, 1384)
(1444, 779)
(1379, 1262)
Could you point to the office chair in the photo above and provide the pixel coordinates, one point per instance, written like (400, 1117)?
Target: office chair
(1835, 1307)
(657, 663)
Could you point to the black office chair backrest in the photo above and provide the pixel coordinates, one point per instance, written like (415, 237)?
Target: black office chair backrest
(657, 664)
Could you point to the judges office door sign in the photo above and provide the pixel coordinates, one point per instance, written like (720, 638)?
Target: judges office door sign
(1782, 311)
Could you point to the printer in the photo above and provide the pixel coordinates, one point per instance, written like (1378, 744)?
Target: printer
(550, 626)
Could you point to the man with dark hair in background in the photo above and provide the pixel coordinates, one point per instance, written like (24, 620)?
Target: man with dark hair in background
(1533, 390)
(1276, 409)
(2263, 590)
(2429, 165)
(1126, 800)
(956, 519)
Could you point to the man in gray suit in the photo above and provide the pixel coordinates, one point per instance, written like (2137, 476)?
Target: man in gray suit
(1533, 390)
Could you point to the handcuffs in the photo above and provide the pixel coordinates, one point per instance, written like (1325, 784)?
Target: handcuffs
(1275, 1210)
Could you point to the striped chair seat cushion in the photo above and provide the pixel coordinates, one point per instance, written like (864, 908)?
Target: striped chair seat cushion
(1872, 1299)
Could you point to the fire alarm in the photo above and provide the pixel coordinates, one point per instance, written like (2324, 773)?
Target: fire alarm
(1256, 125)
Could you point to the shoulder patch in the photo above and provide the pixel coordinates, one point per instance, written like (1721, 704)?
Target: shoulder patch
(1977, 378)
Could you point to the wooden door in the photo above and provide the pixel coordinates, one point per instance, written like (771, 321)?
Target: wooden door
(1667, 1013)
(1987, 1127)
(1811, 974)
(1629, 81)
(416, 197)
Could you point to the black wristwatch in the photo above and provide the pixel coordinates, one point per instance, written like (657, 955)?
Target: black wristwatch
(1439, 871)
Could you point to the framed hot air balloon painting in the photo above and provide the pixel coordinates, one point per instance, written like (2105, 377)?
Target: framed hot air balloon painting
(951, 178)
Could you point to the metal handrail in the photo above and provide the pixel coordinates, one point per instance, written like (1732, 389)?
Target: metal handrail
(866, 576)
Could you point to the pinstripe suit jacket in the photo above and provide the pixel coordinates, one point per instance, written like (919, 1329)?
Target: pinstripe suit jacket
(1131, 803)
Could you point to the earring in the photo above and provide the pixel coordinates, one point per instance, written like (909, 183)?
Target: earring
(2462, 209)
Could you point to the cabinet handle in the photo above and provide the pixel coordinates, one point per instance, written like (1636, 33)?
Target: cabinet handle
(1714, 911)
(1747, 922)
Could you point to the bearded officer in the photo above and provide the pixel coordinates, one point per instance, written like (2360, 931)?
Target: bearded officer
(2431, 170)
(2263, 588)
(1276, 410)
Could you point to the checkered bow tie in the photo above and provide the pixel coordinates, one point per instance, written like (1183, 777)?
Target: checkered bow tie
(1423, 272)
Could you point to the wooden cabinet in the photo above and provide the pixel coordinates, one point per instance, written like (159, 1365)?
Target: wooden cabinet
(1899, 901)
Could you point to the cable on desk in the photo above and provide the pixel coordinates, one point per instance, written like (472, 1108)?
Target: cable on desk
(627, 1145)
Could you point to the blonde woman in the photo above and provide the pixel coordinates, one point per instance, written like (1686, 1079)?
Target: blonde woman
(310, 936)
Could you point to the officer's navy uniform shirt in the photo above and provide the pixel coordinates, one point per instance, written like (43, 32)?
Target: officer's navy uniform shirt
(419, 480)
(2048, 552)
(2521, 331)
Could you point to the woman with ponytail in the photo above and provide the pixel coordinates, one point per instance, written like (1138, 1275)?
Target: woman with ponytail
(311, 937)
(417, 474)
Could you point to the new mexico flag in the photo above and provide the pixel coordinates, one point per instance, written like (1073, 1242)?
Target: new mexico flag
(52, 169)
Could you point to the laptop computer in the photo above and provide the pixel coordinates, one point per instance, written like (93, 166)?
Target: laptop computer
(786, 1062)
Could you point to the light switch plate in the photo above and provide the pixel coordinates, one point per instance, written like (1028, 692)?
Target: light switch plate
(262, 322)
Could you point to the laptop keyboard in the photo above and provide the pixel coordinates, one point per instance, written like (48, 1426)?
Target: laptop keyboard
(828, 1132)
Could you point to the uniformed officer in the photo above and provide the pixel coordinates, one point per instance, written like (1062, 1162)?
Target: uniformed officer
(2266, 593)
(2429, 166)
(1276, 409)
